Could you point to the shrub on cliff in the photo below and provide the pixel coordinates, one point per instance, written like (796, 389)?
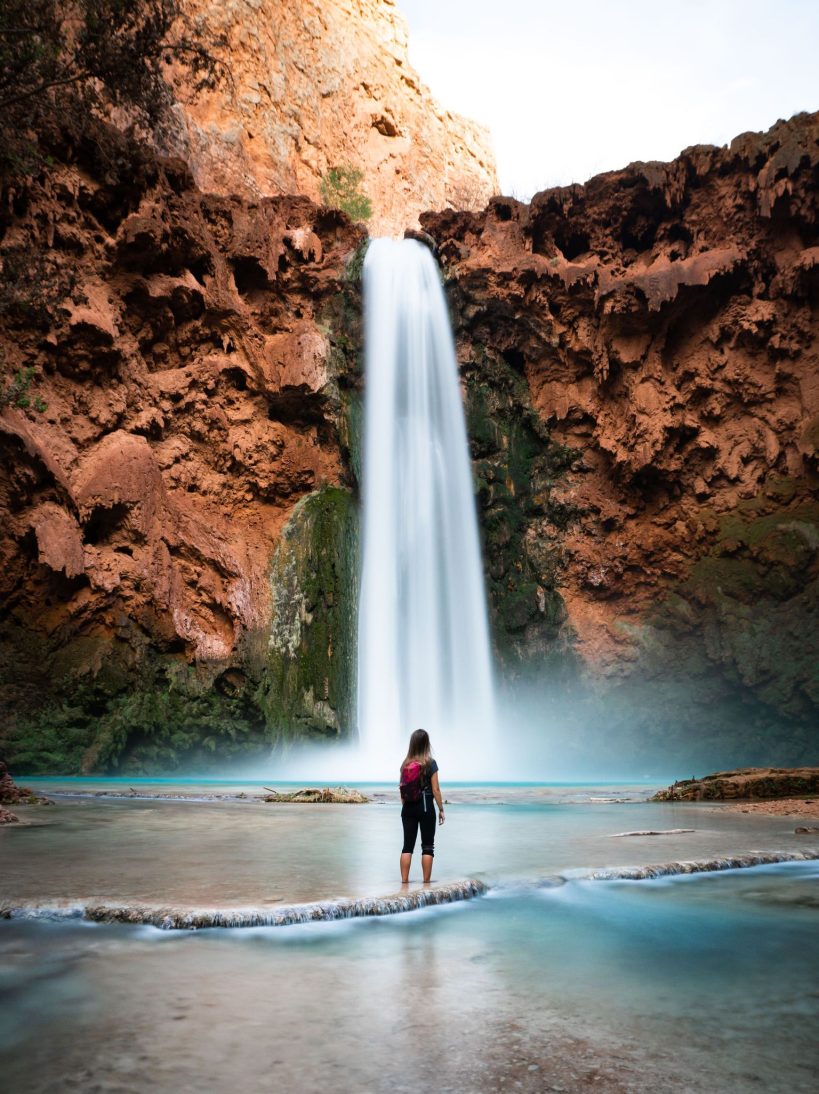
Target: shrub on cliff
(341, 189)
(65, 66)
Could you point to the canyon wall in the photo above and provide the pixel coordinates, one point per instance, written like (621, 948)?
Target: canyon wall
(641, 362)
(187, 396)
(178, 472)
(317, 84)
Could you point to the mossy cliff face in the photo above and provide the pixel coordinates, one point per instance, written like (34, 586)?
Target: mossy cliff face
(515, 464)
(657, 331)
(194, 378)
(307, 688)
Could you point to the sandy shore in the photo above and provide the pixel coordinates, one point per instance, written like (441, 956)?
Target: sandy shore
(782, 807)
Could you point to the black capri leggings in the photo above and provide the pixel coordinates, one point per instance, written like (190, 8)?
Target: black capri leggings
(413, 816)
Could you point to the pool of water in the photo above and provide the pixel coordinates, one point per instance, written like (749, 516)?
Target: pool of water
(238, 852)
(704, 983)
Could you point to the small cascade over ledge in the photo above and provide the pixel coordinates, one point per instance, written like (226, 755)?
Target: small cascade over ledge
(423, 637)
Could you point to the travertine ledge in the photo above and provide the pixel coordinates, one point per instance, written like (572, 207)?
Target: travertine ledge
(181, 918)
(701, 866)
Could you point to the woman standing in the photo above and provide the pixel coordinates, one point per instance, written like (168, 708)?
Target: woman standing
(419, 785)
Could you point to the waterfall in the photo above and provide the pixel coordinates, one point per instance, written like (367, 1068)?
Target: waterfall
(423, 640)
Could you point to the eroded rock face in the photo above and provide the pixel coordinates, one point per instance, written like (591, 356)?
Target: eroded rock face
(662, 321)
(185, 347)
(319, 84)
(639, 359)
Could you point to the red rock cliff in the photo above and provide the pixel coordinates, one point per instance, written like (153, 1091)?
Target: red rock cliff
(177, 474)
(184, 398)
(663, 322)
(318, 84)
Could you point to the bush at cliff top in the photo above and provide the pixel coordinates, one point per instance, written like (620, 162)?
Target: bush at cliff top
(63, 65)
(341, 189)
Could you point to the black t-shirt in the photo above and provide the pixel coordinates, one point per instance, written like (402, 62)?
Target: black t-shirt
(430, 770)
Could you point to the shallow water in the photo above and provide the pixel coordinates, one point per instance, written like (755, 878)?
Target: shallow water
(703, 983)
(240, 852)
(247, 852)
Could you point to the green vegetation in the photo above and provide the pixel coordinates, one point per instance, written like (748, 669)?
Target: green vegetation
(16, 392)
(309, 679)
(154, 716)
(341, 189)
(355, 267)
(63, 65)
(515, 463)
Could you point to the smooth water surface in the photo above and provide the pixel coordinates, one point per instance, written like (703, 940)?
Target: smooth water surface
(699, 984)
(249, 852)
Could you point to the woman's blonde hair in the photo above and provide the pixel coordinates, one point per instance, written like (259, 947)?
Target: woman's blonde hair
(419, 749)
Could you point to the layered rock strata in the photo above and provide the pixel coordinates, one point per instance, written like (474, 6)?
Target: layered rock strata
(650, 506)
(319, 84)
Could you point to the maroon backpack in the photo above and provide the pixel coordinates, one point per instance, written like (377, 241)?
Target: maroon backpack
(412, 782)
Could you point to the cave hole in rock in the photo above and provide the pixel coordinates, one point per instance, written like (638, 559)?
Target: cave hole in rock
(638, 235)
(201, 268)
(231, 682)
(571, 241)
(502, 210)
(249, 275)
(235, 377)
(104, 521)
(27, 544)
(678, 233)
(330, 222)
(186, 304)
(652, 483)
(515, 358)
(644, 218)
(296, 409)
(385, 125)
(695, 306)
(60, 589)
(109, 206)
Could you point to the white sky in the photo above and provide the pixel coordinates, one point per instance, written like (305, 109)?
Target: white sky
(576, 87)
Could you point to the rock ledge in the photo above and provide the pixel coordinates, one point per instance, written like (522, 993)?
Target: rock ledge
(745, 782)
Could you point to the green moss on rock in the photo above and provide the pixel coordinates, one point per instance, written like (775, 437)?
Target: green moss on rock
(112, 715)
(515, 465)
(308, 684)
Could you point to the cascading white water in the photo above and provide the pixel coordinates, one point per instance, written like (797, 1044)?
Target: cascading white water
(423, 641)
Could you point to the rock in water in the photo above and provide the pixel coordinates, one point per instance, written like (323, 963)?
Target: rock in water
(339, 795)
(746, 782)
(11, 794)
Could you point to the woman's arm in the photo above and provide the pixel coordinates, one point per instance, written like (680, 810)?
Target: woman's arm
(436, 793)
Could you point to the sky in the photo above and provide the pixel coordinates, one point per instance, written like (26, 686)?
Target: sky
(569, 89)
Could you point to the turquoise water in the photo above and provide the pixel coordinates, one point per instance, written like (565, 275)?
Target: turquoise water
(235, 852)
(704, 983)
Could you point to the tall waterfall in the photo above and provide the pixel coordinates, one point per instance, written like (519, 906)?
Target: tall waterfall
(423, 642)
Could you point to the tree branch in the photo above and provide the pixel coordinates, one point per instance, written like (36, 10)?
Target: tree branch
(12, 100)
